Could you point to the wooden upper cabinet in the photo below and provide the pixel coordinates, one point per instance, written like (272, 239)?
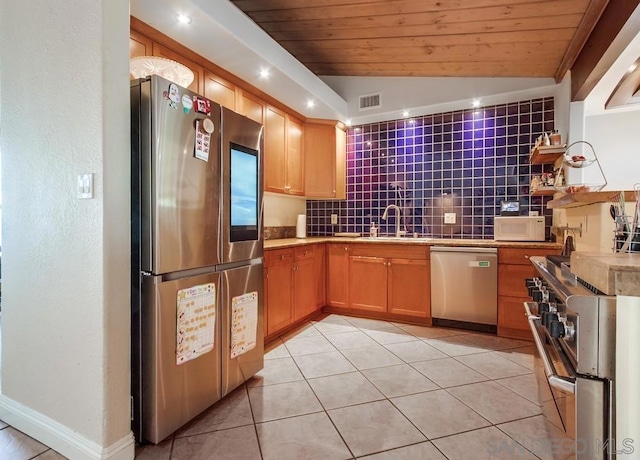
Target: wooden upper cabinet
(325, 159)
(139, 45)
(250, 106)
(219, 90)
(275, 124)
(198, 71)
(295, 156)
(283, 150)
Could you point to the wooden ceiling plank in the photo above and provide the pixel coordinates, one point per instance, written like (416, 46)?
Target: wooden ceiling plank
(297, 11)
(475, 14)
(554, 35)
(532, 25)
(498, 52)
(442, 69)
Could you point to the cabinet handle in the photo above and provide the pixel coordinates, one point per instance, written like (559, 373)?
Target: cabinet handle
(295, 268)
(287, 187)
(281, 256)
(346, 248)
(526, 256)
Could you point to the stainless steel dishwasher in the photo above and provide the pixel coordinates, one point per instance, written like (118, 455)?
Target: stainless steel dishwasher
(464, 287)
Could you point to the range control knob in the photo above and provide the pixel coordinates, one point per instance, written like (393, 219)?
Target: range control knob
(543, 307)
(537, 296)
(548, 317)
(556, 329)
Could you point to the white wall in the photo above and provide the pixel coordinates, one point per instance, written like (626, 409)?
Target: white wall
(65, 275)
(282, 210)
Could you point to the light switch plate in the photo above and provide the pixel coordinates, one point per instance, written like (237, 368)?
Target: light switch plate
(85, 186)
(449, 217)
(334, 219)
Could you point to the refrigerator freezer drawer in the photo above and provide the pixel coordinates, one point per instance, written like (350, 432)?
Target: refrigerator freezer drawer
(236, 283)
(174, 394)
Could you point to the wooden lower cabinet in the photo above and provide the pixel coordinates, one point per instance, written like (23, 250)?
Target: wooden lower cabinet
(321, 272)
(279, 288)
(368, 283)
(514, 267)
(338, 275)
(390, 279)
(292, 277)
(304, 282)
(409, 286)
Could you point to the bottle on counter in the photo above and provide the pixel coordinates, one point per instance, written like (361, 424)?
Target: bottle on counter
(555, 137)
(373, 230)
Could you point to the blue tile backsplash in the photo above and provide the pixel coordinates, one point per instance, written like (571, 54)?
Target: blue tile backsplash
(466, 162)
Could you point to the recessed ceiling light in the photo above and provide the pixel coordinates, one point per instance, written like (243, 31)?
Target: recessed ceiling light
(311, 104)
(405, 113)
(264, 73)
(183, 19)
(476, 103)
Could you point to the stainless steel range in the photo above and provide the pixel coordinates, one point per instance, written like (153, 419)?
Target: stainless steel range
(574, 328)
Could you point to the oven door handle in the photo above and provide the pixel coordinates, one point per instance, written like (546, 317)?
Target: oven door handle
(566, 384)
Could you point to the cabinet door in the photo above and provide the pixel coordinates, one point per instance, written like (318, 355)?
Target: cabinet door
(219, 90)
(294, 164)
(325, 160)
(338, 275)
(198, 71)
(512, 321)
(274, 150)
(320, 160)
(139, 45)
(511, 279)
(320, 274)
(304, 288)
(368, 283)
(280, 293)
(250, 106)
(409, 287)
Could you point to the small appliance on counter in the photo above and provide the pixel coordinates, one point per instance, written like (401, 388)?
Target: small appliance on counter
(518, 228)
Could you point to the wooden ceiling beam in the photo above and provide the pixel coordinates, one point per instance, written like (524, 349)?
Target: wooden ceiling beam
(617, 26)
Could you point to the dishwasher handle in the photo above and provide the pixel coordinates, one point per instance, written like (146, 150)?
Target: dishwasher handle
(465, 249)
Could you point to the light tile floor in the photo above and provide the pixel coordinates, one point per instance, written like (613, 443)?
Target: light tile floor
(346, 388)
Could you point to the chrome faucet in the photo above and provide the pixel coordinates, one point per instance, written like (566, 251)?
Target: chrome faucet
(399, 214)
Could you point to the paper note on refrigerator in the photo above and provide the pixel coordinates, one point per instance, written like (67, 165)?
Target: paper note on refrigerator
(244, 323)
(195, 322)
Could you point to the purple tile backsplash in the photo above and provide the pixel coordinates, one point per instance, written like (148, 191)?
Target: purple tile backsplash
(466, 162)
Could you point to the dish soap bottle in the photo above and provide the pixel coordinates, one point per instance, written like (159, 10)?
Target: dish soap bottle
(373, 230)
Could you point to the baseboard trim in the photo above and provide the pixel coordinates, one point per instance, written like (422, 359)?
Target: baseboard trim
(61, 438)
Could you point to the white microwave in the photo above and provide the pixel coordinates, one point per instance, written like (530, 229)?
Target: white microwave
(518, 228)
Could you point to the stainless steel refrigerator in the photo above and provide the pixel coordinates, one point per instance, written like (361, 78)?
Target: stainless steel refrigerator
(197, 294)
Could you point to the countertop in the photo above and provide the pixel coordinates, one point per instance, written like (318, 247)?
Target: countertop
(291, 242)
(613, 274)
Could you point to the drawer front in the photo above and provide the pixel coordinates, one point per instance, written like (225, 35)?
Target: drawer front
(304, 252)
(396, 251)
(520, 256)
(273, 257)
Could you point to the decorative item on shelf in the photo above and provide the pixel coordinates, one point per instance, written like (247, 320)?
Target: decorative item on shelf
(580, 161)
(143, 66)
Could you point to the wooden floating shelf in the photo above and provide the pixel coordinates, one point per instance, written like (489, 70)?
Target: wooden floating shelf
(544, 191)
(545, 154)
(572, 200)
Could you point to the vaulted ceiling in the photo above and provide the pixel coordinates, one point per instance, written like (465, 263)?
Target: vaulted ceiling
(429, 38)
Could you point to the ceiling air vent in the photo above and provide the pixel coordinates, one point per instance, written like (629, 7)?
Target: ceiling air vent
(370, 101)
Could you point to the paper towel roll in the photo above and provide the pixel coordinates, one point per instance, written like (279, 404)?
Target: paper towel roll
(301, 226)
